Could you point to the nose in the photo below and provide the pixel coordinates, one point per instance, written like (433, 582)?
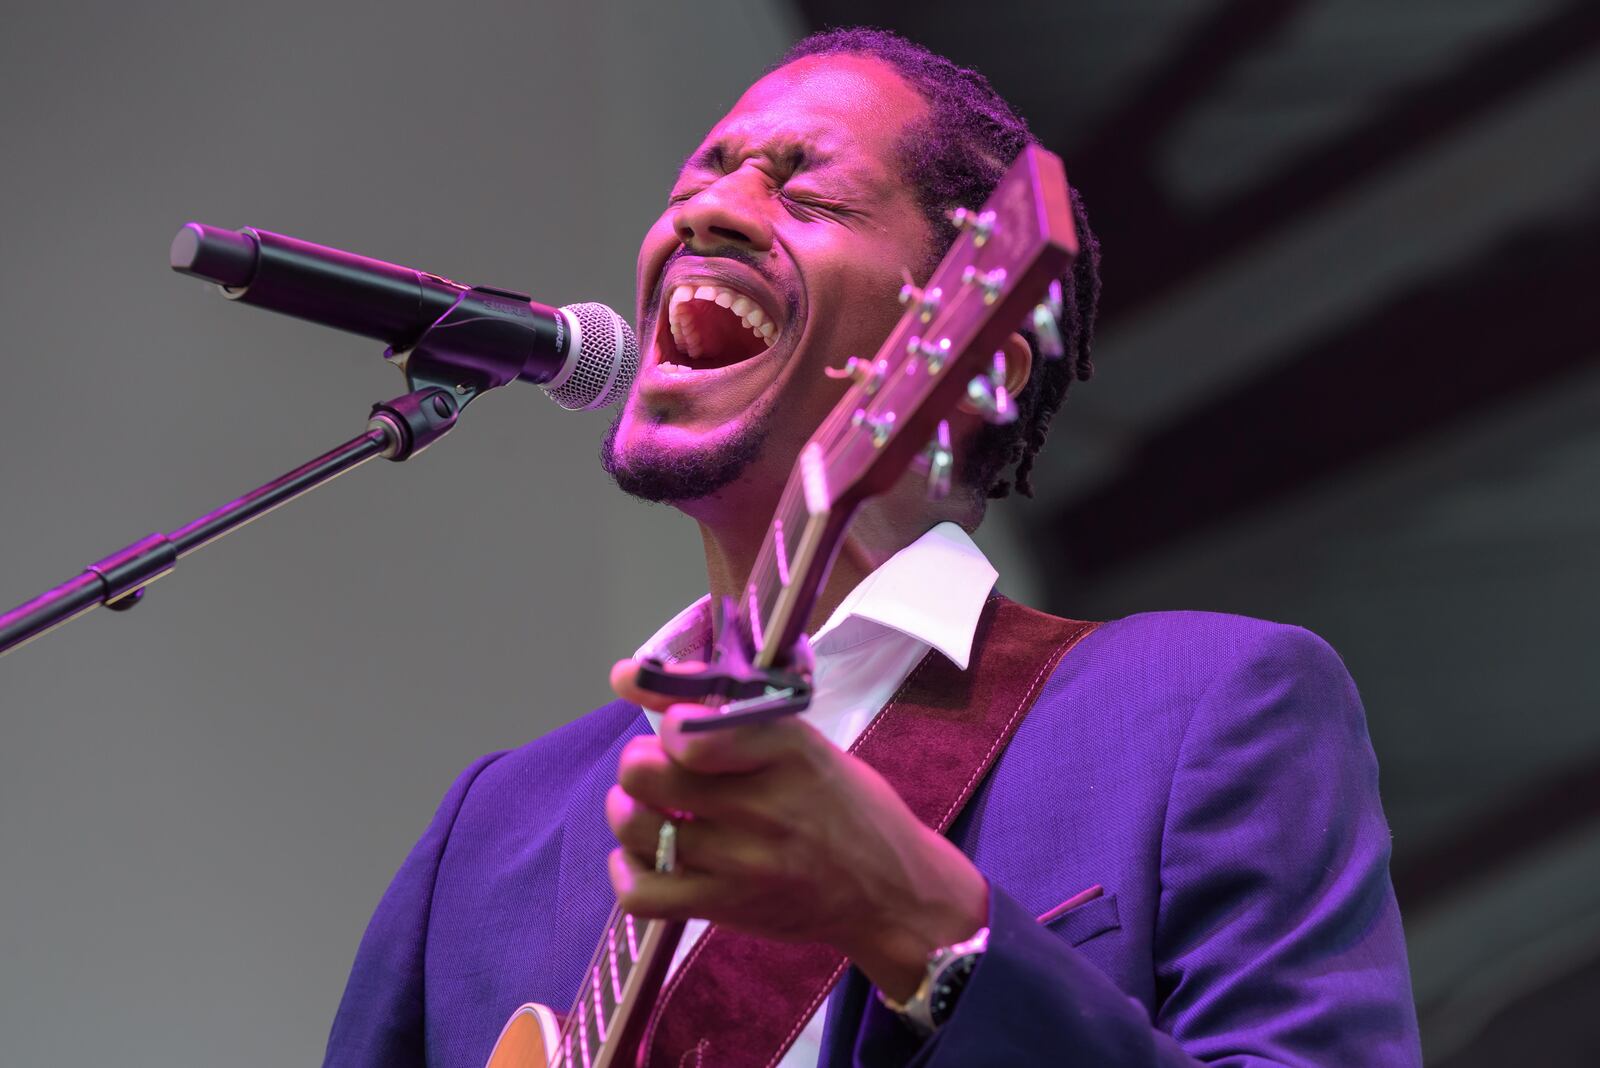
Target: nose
(730, 211)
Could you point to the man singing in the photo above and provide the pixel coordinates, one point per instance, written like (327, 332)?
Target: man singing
(1178, 859)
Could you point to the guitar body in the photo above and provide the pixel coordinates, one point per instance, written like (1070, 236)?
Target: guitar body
(528, 1040)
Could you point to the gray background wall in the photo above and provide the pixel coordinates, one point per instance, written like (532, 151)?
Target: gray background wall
(201, 801)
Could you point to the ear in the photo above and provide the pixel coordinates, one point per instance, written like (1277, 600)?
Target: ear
(1019, 365)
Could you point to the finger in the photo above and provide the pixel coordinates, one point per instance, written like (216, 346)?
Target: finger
(631, 821)
(648, 894)
(734, 750)
(625, 682)
(652, 778)
(702, 845)
(637, 826)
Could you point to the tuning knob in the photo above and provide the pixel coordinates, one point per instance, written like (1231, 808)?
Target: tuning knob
(868, 373)
(1046, 323)
(991, 282)
(880, 427)
(1054, 303)
(933, 353)
(989, 395)
(981, 223)
(936, 461)
(927, 301)
(1048, 333)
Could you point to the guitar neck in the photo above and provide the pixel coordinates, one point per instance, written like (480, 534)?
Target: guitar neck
(609, 1015)
(797, 552)
(611, 1010)
(946, 346)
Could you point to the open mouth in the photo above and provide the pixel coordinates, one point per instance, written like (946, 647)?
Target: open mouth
(711, 326)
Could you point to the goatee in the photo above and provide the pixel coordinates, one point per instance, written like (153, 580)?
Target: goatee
(668, 476)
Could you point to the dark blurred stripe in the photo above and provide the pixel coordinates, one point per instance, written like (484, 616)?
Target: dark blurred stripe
(1516, 321)
(1560, 803)
(1161, 249)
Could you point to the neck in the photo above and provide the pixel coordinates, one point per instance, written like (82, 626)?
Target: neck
(733, 533)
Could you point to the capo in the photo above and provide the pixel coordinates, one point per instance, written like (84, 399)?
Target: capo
(748, 694)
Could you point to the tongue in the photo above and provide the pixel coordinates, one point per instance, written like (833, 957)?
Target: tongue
(717, 337)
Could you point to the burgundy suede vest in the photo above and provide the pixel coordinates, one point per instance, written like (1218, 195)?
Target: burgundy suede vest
(740, 1002)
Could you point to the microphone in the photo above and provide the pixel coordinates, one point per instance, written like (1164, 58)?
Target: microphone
(583, 355)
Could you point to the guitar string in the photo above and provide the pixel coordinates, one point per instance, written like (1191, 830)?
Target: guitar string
(839, 414)
(790, 503)
(835, 446)
(575, 1014)
(761, 576)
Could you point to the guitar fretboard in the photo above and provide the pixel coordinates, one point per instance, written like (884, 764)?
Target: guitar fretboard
(794, 556)
(611, 989)
(938, 352)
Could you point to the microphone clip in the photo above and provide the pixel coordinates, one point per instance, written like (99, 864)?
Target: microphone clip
(481, 342)
(470, 349)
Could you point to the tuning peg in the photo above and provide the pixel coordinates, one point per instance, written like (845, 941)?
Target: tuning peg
(936, 462)
(1047, 332)
(881, 427)
(927, 301)
(868, 373)
(989, 395)
(981, 223)
(1046, 323)
(992, 401)
(933, 353)
(991, 282)
(908, 289)
(1053, 301)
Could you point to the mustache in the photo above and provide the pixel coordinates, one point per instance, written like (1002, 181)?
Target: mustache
(726, 252)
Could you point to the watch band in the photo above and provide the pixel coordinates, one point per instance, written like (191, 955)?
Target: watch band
(930, 1005)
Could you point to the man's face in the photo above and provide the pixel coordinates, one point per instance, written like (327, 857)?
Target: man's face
(780, 253)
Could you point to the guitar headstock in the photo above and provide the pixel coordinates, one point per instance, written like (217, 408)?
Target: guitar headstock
(1005, 261)
(945, 348)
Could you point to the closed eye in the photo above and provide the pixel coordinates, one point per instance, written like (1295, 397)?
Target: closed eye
(809, 209)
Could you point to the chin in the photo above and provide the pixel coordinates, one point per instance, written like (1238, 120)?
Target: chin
(641, 434)
(656, 460)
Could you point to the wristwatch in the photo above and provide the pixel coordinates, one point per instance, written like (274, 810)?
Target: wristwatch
(949, 969)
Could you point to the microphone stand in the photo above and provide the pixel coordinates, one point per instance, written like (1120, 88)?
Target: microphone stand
(459, 357)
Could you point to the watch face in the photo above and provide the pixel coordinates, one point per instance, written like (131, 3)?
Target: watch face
(947, 988)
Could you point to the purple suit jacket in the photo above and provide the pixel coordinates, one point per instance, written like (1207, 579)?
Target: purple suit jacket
(1212, 772)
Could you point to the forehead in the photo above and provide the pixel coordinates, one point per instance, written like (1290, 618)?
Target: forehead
(843, 108)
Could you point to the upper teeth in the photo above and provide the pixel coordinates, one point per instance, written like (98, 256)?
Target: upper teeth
(682, 326)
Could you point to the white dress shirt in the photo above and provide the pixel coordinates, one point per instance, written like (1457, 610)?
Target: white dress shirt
(929, 595)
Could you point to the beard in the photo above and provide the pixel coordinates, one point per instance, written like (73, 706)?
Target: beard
(668, 476)
(660, 475)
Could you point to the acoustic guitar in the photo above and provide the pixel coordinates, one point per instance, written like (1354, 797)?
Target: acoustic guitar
(945, 348)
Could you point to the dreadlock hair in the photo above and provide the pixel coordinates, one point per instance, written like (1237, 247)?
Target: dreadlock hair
(953, 158)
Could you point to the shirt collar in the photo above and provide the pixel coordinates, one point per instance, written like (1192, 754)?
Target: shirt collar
(933, 590)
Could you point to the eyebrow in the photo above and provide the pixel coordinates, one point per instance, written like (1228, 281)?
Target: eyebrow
(794, 152)
(706, 157)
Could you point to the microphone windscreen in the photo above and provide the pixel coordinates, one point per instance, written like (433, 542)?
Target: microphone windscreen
(605, 361)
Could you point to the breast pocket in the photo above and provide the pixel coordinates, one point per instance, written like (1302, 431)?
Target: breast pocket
(1089, 920)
